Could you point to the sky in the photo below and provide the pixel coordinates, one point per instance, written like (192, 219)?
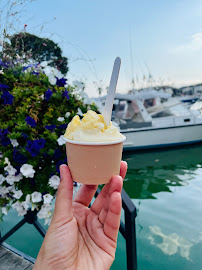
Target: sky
(159, 42)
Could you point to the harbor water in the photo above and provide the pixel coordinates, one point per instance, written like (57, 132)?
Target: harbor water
(166, 187)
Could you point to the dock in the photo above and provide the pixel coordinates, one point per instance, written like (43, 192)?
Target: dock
(13, 259)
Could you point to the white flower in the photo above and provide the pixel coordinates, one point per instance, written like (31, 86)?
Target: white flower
(18, 177)
(1, 154)
(28, 198)
(42, 96)
(10, 179)
(36, 197)
(61, 119)
(18, 194)
(3, 191)
(12, 188)
(48, 220)
(2, 179)
(79, 112)
(16, 205)
(45, 211)
(52, 72)
(22, 212)
(27, 170)
(19, 208)
(44, 64)
(1, 71)
(47, 198)
(4, 210)
(25, 205)
(54, 181)
(14, 143)
(60, 140)
(10, 169)
(67, 114)
(7, 161)
(52, 79)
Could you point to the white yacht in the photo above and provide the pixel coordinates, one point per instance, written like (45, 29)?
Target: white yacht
(154, 119)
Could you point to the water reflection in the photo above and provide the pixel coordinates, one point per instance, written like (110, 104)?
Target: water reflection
(153, 172)
(172, 243)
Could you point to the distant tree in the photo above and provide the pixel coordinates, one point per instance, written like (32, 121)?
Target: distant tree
(39, 49)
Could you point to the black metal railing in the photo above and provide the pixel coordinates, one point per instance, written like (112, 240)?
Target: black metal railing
(127, 229)
(31, 218)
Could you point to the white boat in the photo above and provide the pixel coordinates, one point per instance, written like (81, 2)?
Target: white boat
(147, 122)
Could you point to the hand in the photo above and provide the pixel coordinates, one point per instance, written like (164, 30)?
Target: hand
(80, 237)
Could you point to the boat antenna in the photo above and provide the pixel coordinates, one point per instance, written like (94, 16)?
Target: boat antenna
(132, 63)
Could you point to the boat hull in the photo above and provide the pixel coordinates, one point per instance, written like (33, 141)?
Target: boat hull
(162, 137)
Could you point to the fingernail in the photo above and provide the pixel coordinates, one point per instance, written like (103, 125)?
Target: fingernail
(62, 171)
(125, 163)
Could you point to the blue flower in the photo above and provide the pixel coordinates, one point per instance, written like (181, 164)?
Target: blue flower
(30, 121)
(46, 156)
(18, 157)
(63, 126)
(58, 165)
(57, 154)
(34, 147)
(32, 181)
(4, 86)
(3, 132)
(24, 68)
(50, 127)
(40, 143)
(18, 169)
(3, 64)
(48, 94)
(65, 94)
(61, 82)
(7, 97)
(24, 135)
(35, 73)
(5, 141)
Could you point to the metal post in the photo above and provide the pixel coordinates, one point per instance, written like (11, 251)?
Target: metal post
(30, 218)
(39, 228)
(130, 232)
(14, 229)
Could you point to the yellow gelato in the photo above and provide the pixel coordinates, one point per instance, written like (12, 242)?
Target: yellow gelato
(91, 128)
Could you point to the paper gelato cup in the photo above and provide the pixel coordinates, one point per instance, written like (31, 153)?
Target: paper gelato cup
(94, 163)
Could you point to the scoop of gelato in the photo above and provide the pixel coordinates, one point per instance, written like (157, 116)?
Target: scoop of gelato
(92, 128)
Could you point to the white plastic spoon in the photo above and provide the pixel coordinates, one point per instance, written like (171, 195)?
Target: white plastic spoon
(107, 111)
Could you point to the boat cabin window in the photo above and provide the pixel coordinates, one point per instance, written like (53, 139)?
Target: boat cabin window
(121, 107)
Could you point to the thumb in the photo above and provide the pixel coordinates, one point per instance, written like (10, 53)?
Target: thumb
(63, 204)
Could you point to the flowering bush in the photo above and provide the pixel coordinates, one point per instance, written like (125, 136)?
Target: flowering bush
(34, 112)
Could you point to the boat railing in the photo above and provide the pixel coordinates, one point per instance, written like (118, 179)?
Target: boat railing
(127, 228)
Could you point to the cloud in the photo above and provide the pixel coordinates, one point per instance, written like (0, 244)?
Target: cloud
(194, 44)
